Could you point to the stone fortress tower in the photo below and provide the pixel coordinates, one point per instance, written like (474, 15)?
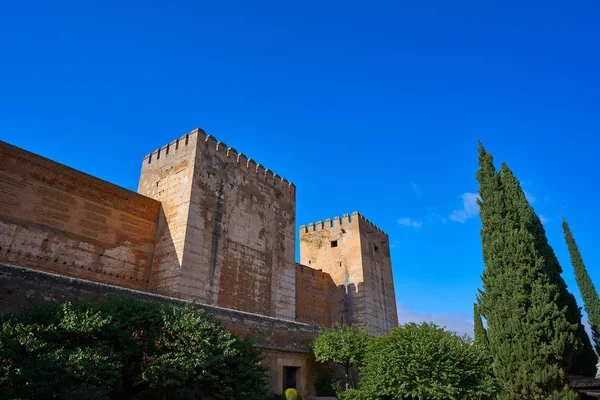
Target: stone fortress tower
(226, 233)
(207, 224)
(356, 254)
(226, 236)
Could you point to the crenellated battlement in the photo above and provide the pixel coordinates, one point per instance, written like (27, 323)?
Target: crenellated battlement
(210, 143)
(372, 225)
(344, 220)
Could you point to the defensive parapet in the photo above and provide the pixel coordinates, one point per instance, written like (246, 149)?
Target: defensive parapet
(210, 144)
(344, 220)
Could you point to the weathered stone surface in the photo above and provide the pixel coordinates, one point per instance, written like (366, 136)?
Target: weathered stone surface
(57, 219)
(316, 294)
(228, 235)
(209, 225)
(356, 255)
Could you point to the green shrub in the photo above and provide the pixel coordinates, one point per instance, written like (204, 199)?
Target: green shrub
(564, 394)
(326, 386)
(344, 345)
(291, 394)
(124, 348)
(350, 394)
(425, 362)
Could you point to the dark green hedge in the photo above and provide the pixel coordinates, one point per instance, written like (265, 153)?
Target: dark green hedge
(125, 348)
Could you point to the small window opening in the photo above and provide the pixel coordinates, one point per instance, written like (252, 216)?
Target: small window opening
(334, 243)
(308, 262)
(376, 248)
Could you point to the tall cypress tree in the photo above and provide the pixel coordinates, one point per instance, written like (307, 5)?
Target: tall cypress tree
(580, 358)
(479, 330)
(591, 301)
(528, 333)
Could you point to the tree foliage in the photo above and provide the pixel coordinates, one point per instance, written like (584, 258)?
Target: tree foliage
(124, 348)
(588, 292)
(530, 335)
(343, 345)
(579, 357)
(479, 331)
(426, 362)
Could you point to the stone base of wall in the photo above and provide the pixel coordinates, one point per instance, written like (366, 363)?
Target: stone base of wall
(284, 343)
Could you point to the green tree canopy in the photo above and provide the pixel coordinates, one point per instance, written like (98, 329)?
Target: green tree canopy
(426, 362)
(123, 348)
(478, 329)
(343, 345)
(529, 333)
(586, 286)
(579, 358)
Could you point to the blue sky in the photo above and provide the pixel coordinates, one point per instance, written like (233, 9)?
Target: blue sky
(368, 106)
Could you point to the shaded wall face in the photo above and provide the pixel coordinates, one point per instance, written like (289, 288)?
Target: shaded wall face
(166, 176)
(57, 219)
(336, 249)
(315, 293)
(380, 298)
(228, 237)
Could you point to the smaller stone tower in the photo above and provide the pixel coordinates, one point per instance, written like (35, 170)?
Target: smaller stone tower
(356, 254)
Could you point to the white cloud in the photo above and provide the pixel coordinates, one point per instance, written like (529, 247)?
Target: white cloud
(410, 222)
(469, 209)
(456, 322)
(530, 198)
(544, 219)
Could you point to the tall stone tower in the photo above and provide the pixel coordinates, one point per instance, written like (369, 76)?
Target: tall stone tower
(356, 254)
(226, 233)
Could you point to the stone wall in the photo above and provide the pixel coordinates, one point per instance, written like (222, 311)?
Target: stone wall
(231, 223)
(57, 219)
(316, 295)
(334, 246)
(380, 297)
(283, 342)
(355, 253)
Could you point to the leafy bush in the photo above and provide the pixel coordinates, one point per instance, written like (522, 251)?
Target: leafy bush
(425, 362)
(291, 394)
(343, 345)
(564, 394)
(350, 394)
(326, 386)
(124, 348)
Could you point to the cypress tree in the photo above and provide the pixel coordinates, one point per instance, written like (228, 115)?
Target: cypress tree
(586, 286)
(528, 333)
(479, 330)
(579, 358)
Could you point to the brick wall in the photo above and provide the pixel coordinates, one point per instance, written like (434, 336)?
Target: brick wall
(316, 294)
(57, 219)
